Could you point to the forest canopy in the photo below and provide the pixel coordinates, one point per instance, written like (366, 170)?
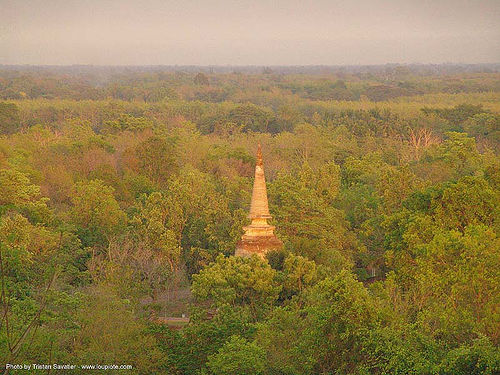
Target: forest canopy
(123, 193)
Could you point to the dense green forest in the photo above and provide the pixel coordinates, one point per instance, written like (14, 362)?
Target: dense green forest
(123, 192)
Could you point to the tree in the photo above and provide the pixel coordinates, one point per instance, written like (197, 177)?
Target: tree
(455, 277)
(301, 204)
(379, 93)
(395, 185)
(23, 248)
(251, 117)
(111, 333)
(238, 356)
(298, 273)
(156, 250)
(237, 281)
(456, 157)
(201, 79)
(484, 125)
(17, 193)
(420, 139)
(478, 358)
(457, 115)
(441, 248)
(200, 218)
(323, 332)
(157, 158)
(156, 228)
(187, 351)
(9, 118)
(96, 212)
(470, 201)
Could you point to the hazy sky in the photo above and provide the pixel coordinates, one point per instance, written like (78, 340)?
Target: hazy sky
(240, 32)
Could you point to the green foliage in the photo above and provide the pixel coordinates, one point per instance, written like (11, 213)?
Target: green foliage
(237, 281)
(124, 195)
(187, 351)
(153, 225)
(308, 221)
(283, 337)
(325, 332)
(470, 201)
(399, 350)
(457, 115)
(156, 158)
(480, 357)
(125, 339)
(9, 118)
(238, 356)
(251, 117)
(96, 212)
(16, 192)
(127, 122)
(299, 273)
(484, 125)
(199, 215)
(455, 277)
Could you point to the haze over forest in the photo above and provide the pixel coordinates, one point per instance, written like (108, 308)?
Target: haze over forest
(221, 32)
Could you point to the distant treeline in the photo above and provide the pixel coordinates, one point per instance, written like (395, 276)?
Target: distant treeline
(244, 84)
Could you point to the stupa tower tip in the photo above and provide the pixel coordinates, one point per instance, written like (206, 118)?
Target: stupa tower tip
(259, 207)
(259, 155)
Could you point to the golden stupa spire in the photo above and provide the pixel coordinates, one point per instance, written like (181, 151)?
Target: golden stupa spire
(259, 208)
(259, 237)
(259, 155)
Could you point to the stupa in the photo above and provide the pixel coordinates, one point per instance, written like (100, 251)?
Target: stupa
(259, 237)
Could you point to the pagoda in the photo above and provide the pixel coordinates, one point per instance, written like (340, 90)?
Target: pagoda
(259, 237)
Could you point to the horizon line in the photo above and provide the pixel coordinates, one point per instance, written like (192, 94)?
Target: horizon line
(249, 65)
